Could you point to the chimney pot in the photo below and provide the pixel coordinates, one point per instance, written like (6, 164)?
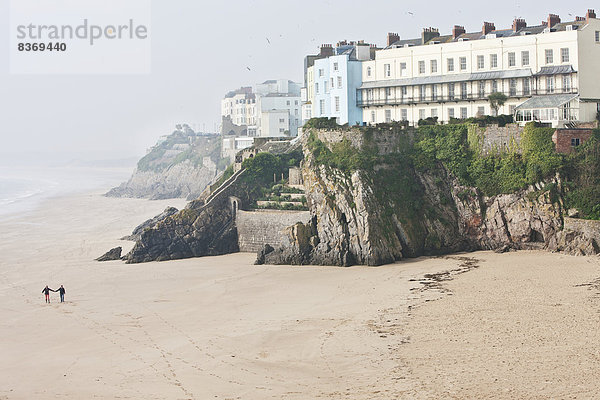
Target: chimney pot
(392, 38)
(488, 27)
(457, 31)
(428, 34)
(589, 15)
(519, 24)
(553, 19)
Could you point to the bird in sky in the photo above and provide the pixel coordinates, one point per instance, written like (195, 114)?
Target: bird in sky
(248, 68)
(268, 40)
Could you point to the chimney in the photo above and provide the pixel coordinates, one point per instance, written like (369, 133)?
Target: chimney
(590, 14)
(457, 31)
(428, 34)
(392, 38)
(519, 24)
(488, 27)
(553, 19)
(326, 50)
(579, 19)
(342, 43)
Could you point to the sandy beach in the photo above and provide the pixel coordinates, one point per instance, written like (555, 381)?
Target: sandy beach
(516, 325)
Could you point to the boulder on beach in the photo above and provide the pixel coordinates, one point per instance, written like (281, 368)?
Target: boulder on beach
(112, 254)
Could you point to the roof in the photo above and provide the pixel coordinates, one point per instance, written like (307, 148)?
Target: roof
(557, 69)
(430, 80)
(529, 30)
(548, 101)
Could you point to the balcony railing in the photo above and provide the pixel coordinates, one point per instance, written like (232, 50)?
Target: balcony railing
(407, 100)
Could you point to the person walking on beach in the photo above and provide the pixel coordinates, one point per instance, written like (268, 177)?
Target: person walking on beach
(46, 292)
(62, 292)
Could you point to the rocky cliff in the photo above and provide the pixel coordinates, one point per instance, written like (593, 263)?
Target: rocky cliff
(180, 165)
(390, 211)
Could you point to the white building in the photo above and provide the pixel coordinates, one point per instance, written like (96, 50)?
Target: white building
(548, 72)
(240, 106)
(331, 82)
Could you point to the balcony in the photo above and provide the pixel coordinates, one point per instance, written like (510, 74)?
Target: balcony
(407, 100)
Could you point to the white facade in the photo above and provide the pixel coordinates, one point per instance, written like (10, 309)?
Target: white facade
(451, 76)
(249, 106)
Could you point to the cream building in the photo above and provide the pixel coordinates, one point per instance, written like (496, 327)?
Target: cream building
(548, 72)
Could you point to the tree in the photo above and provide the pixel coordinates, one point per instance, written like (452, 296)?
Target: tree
(497, 100)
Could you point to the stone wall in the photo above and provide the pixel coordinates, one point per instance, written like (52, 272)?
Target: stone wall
(257, 228)
(496, 138)
(589, 228)
(386, 140)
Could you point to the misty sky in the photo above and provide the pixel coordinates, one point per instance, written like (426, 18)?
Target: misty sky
(200, 50)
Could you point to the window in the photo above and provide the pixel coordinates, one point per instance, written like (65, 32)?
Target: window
(402, 69)
(321, 107)
(281, 130)
(511, 109)
(368, 71)
(524, 58)
(463, 63)
(388, 92)
(388, 115)
(332, 84)
(597, 36)
(481, 110)
(335, 66)
(422, 93)
(387, 70)
(316, 87)
(287, 102)
(296, 102)
(526, 87)
(372, 116)
(512, 61)
(549, 84)
(481, 88)
(421, 113)
(480, 62)
(339, 81)
(493, 60)
(403, 91)
(434, 92)
(296, 111)
(463, 90)
(404, 114)
(434, 113)
(451, 91)
(463, 112)
(566, 80)
(552, 114)
(450, 113)
(321, 72)
(281, 120)
(337, 103)
(494, 86)
(421, 67)
(513, 87)
(564, 55)
(450, 63)
(574, 142)
(549, 56)
(433, 66)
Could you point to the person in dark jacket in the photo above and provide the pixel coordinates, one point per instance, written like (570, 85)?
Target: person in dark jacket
(62, 292)
(46, 292)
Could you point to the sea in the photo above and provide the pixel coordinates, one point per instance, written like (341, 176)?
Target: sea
(23, 189)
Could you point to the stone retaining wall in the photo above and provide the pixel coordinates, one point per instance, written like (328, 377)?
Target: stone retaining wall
(257, 228)
(589, 228)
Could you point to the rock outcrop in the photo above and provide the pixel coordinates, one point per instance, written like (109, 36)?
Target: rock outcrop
(179, 166)
(112, 254)
(150, 223)
(358, 219)
(202, 228)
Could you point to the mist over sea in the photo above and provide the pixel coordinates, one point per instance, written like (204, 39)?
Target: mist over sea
(22, 189)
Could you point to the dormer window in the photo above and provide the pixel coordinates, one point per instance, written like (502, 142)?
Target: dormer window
(490, 36)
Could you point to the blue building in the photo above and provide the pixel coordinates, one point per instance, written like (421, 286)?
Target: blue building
(333, 80)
